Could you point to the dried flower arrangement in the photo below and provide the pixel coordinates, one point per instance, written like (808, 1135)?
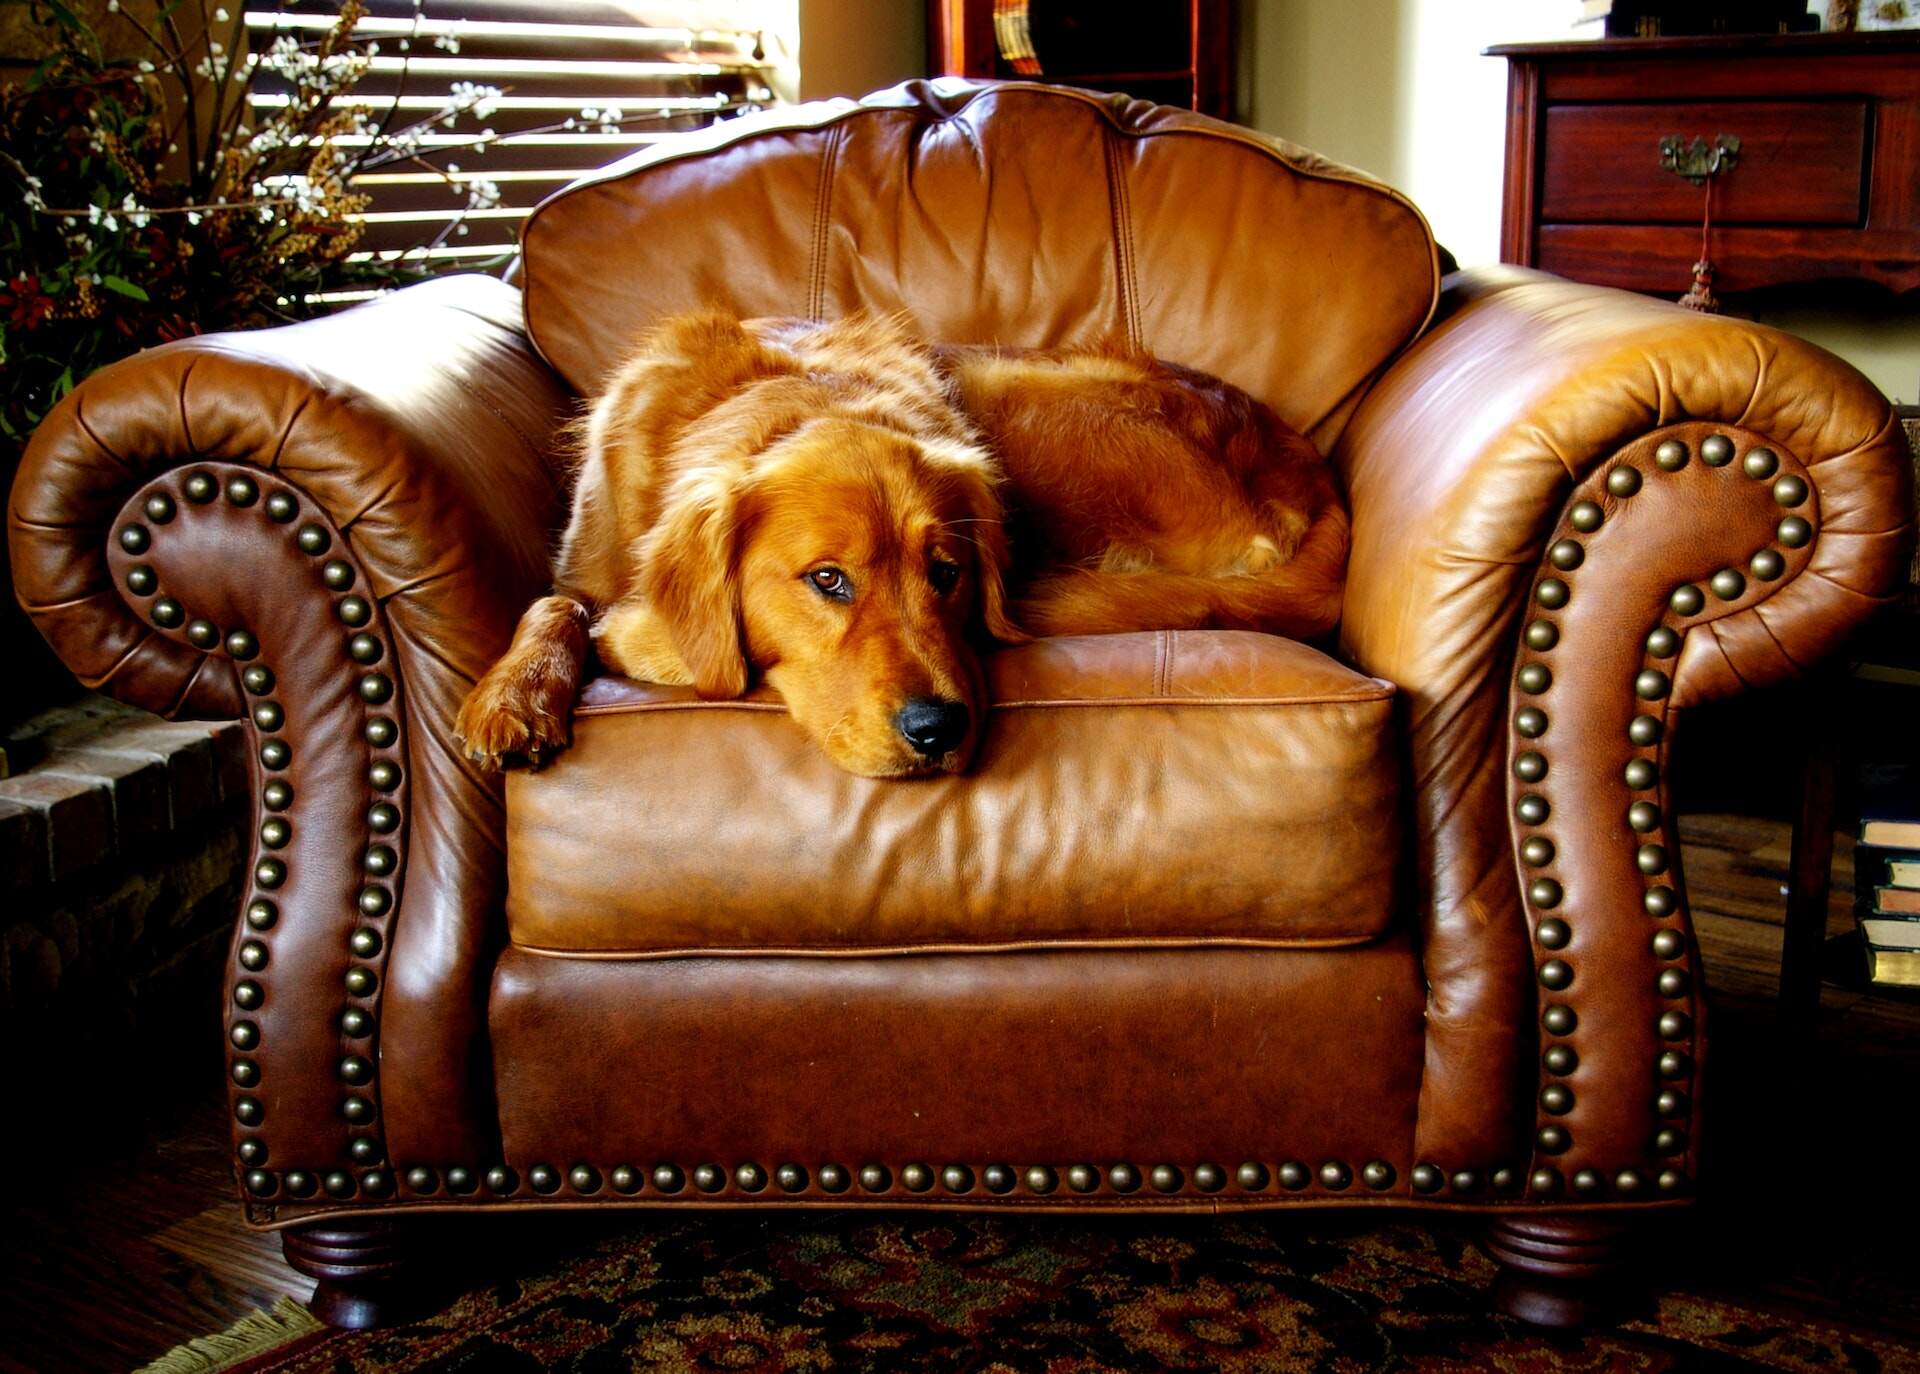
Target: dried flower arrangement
(182, 165)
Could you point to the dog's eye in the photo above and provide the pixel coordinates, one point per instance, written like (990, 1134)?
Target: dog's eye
(831, 582)
(944, 576)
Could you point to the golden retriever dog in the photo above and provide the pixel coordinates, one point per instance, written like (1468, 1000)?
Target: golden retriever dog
(848, 514)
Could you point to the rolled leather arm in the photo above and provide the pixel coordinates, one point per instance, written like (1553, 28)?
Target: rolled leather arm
(1575, 510)
(330, 528)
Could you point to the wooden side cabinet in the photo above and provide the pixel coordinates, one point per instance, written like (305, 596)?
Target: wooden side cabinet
(1823, 181)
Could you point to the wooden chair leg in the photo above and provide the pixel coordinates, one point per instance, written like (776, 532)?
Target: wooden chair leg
(1558, 1269)
(362, 1268)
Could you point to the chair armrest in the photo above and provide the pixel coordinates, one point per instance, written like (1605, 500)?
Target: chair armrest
(1519, 533)
(360, 506)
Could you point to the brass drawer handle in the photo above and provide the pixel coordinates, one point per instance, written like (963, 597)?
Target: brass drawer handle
(1696, 161)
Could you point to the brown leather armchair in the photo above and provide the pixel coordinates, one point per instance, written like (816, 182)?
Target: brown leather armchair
(1217, 921)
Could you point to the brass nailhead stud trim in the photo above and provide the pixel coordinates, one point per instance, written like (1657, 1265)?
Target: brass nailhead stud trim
(1671, 455)
(916, 1178)
(381, 732)
(1541, 635)
(1588, 1181)
(1668, 944)
(791, 1178)
(1793, 532)
(1165, 1178)
(543, 1178)
(584, 1178)
(274, 833)
(1251, 1176)
(1766, 565)
(1535, 678)
(1124, 1178)
(261, 914)
(1041, 1179)
(1650, 684)
(1530, 766)
(1559, 1019)
(1209, 1178)
(1553, 934)
(364, 1149)
(258, 680)
(667, 1178)
(1335, 1176)
(421, 1179)
(1728, 584)
(1552, 593)
(1640, 774)
(1789, 491)
(141, 580)
(276, 753)
(1673, 982)
(1673, 1064)
(159, 508)
(1623, 481)
(337, 574)
(313, 539)
(1675, 1025)
(1532, 808)
(1465, 1181)
(1651, 858)
(247, 994)
(1760, 463)
(383, 775)
(202, 634)
(1716, 450)
(166, 613)
(624, 1178)
(201, 488)
(135, 539)
(1560, 1059)
(501, 1179)
(1645, 731)
(1378, 1174)
(241, 645)
(242, 491)
(1660, 901)
(364, 648)
(1663, 643)
(1083, 1178)
(1687, 600)
(281, 507)
(1537, 851)
(1293, 1176)
(1643, 816)
(1544, 892)
(1553, 1140)
(460, 1179)
(358, 1111)
(353, 610)
(1556, 974)
(1585, 516)
(1426, 1178)
(1556, 1098)
(1530, 721)
(253, 955)
(1567, 554)
(1545, 1182)
(956, 1178)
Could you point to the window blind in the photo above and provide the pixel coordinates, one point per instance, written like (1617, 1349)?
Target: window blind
(547, 90)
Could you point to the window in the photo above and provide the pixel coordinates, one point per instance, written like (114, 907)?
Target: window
(505, 101)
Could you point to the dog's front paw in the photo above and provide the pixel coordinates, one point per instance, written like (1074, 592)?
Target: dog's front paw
(504, 720)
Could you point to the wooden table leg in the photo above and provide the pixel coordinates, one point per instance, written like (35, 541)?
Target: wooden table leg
(1810, 875)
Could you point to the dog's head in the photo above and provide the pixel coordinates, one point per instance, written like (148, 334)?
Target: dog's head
(851, 563)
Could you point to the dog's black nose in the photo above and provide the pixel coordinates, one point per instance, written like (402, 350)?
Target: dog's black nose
(931, 726)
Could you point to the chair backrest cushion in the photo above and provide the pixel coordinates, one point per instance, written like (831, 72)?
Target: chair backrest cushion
(1009, 213)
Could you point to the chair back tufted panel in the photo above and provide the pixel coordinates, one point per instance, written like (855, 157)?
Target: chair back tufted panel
(1010, 213)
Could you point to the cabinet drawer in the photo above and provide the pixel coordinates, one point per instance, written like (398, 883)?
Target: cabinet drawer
(1800, 162)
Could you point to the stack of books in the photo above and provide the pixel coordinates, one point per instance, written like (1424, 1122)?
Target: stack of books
(1886, 874)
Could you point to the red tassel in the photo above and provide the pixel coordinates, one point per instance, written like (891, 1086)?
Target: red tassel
(1700, 295)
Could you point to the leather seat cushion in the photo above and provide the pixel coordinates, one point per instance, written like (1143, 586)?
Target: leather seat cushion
(1171, 788)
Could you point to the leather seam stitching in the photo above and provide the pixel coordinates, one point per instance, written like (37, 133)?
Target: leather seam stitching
(1065, 703)
(1122, 216)
(822, 214)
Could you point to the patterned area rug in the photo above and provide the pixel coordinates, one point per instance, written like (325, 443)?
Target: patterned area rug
(900, 1293)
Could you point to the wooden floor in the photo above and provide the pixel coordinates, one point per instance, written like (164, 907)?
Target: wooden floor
(122, 1248)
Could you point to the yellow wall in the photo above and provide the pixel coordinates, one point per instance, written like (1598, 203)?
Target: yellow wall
(1399, 88)
(851, 47)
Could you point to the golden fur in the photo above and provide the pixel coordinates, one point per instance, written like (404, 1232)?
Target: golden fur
(828, 505)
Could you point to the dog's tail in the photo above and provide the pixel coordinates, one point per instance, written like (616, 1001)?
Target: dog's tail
(1299, 598)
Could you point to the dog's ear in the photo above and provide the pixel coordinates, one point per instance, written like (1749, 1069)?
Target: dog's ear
(688, 575)
(992, 557)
